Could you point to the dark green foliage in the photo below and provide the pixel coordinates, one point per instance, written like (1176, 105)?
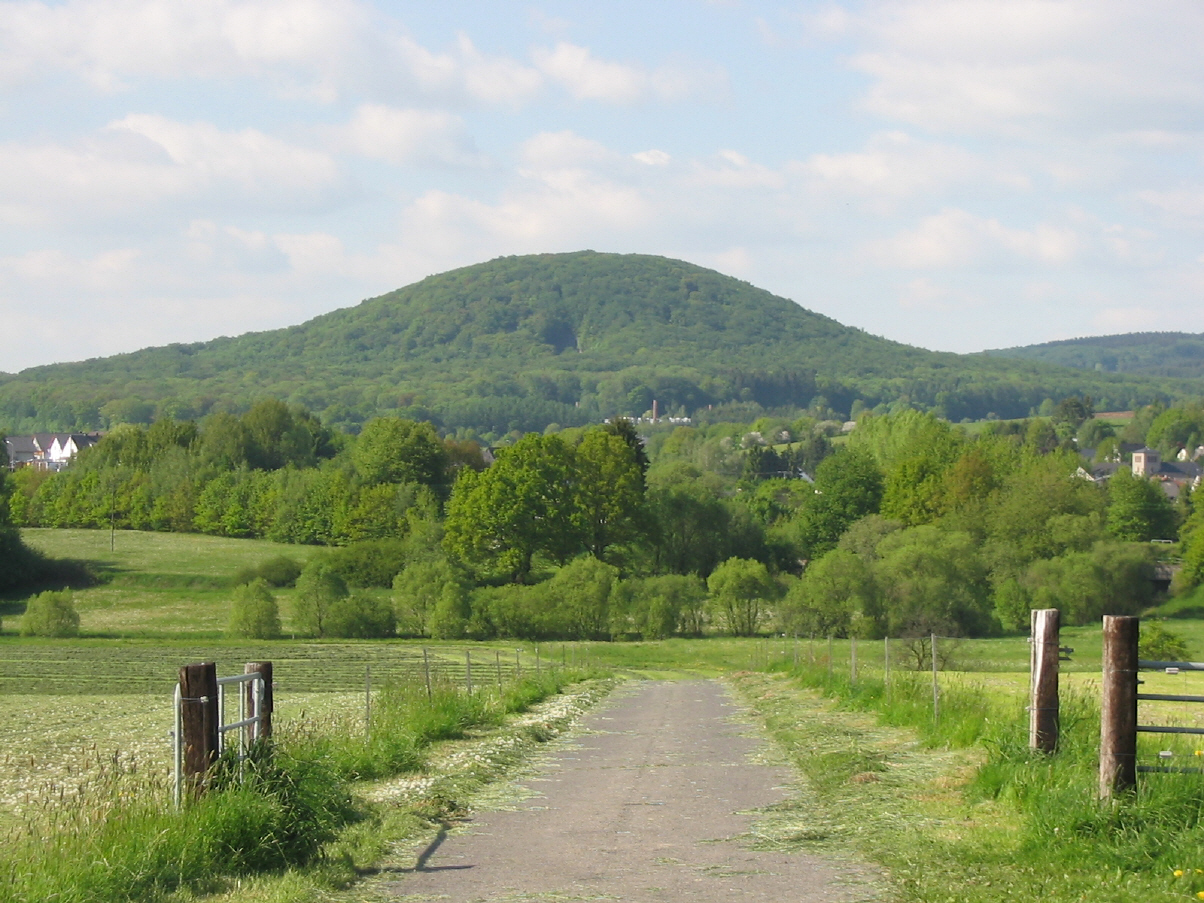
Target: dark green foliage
(392, 450)
(426, 591)
(837, 596)
(373, 563)
(319, 589)
(1111, 579)
(359, 615)
(521, 342)
(1157, 643)
(1174, 354)
(933, 581)
(742, 592)
(848, 486)
(545, 497)
(255, 614)
(654, 608)
(50, 614)
(278, 571)
(1138, 509)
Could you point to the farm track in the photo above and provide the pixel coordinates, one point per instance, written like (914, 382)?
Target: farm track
(650, 804)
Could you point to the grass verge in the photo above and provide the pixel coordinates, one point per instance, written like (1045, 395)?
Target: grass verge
(291, 813)
(960, 809)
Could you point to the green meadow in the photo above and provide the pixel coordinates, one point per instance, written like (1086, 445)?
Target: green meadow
(951, 804)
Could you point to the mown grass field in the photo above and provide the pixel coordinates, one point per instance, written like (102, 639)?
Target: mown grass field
(967, 794)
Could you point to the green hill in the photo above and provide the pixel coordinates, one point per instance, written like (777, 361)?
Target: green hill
(1174, 354)
(521, 342)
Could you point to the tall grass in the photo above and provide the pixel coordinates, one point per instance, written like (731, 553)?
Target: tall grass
(119, 839)
(1066, 834)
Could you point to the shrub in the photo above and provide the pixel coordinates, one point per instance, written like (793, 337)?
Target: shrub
(372, 563)
(319, 589)
(1159, 644)
(360, 615)
(256, 616)
(278, 571)
(50, 614)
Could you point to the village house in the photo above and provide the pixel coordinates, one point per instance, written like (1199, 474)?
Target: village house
(1173, 476)
(47, 451)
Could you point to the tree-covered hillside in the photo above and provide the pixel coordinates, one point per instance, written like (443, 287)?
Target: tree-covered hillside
(522, 342)
(1174, 354)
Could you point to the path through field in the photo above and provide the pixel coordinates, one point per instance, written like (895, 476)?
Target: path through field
(645, 808)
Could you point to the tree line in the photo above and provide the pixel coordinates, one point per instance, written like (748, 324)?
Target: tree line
(908, 525)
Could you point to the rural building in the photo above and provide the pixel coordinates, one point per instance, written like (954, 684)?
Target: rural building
(1173, 476)
(47, 451)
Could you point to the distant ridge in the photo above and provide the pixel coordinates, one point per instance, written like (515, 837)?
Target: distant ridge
(1178, 355)
(519, 343)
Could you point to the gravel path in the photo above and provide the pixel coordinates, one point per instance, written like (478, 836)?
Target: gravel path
(644, 808)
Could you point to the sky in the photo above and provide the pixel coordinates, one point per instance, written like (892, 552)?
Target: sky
(953, 174)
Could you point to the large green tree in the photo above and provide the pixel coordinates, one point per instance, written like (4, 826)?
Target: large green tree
(610, 506)
(741, 591)
(393, 450)
(1138, 509)
(848, 486)
(525, 504)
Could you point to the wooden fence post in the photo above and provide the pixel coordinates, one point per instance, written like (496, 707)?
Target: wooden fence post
(886, 667)
(198, 722)
(468, 670)
(1043, 679)
(426, 670)
(936, 685)
(263, 730)
(1118, 711)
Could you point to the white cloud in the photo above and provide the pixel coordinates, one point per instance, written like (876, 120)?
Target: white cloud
(143, 160)
(587, 78)
(60, 270)
(895, 165)
(1184, 203)
(320, 49)
(409, 136)
(926, 295)
(559, 150)
(955, 238)
(980, 66)
(653, 157)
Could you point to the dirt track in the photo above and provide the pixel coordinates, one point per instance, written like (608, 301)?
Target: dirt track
(644, 807)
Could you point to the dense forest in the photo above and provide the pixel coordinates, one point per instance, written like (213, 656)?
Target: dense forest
(1174, 354)
(907, 525)
(519, 344)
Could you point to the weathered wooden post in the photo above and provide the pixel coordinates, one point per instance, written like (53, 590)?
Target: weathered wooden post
(497, 656)
(829, 657)
(886, 666)
(1118, 711)
(468, 670)
(1043, 679)
(426, 670)
(853, 661)
(936, 685)
(518, 664)
(263, 730)
(367, 700)
(198, 722)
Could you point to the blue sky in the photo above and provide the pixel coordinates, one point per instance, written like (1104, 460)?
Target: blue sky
(955, 175)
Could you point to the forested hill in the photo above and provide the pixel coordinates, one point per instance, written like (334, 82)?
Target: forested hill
(522, 342)
(1173, 354)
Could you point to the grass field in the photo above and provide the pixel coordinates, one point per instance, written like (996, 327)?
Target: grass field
(71, 711)
(158, 584)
